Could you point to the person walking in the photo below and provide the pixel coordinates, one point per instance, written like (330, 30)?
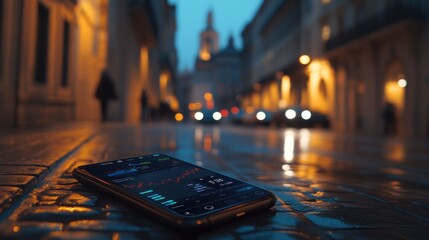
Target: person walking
(144, 105)
(104, 93)
(389, 119)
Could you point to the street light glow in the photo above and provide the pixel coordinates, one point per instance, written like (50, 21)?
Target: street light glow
(290, 114)
(304, 59)
(208, 96)
(178, 117)
(261, 116)
(402, 83)
(199, 116)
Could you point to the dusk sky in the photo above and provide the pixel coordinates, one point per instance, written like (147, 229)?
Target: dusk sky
(230, 16)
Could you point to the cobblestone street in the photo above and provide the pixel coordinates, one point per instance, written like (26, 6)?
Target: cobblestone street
(328, 186)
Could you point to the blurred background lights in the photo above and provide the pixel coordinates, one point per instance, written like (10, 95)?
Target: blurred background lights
(260, 115)
(224, 113)
(199, 116)
(208, 96)
(235, 110)
(178, 117)
(217, 116)
(402, 83)
(290, 114)
(304, 59)
(306, 114)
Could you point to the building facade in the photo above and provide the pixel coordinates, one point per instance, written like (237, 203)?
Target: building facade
(38, 62)
(216, 79)
(142, 56)
(272, 75)
(53, 53)
(378, 51)
(362, 59)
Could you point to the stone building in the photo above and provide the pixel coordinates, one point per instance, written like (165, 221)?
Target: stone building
(378, 50)
(216, 78)
(142, 55)
(358, 56)
(38, 67)
(53, 53)
(272, 75)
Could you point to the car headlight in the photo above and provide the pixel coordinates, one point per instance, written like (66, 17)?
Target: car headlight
(290, 114)
(217, 116)
(306, 114)
(199, 116)
(261, 116)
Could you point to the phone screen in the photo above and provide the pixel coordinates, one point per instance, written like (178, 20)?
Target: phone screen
(172, 184)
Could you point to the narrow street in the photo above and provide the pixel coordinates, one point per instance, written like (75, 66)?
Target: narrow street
(328, 186)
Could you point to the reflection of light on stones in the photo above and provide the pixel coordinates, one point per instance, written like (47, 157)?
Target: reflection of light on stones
(289, 145)
(72, 209)
(304, 139)
(198, 134)
(216, 135)
(207, 143)
(395, 152)
(163, 142)
(272, 138)
(319, 194)
(395, 185)
(394, 171)
(287, 170)
(172, 144)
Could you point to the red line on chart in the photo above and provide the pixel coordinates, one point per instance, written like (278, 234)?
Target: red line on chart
(178, 179)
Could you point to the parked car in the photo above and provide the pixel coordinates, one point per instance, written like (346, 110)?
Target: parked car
(237, 118)
(300, 118)
(259, 117)
(262, 117)
(207, 116)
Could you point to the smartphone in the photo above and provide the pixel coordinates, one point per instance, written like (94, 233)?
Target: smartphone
(180, 194)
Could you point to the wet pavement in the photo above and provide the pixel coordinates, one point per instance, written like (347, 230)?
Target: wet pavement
(328, 186)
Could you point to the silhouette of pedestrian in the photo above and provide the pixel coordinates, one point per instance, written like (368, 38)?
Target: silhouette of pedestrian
(104, 93)
(145, 109)
(389, 118)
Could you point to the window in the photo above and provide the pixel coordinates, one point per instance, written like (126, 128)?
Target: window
(325, 29)
(66, 50)
(326, 32)
(40, 71)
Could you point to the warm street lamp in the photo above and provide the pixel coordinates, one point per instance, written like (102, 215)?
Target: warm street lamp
(402, 83)
(304, 59)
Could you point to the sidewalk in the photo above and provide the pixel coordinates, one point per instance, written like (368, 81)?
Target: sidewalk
(327, 186)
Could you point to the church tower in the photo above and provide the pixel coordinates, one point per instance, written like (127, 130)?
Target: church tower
(209, 43)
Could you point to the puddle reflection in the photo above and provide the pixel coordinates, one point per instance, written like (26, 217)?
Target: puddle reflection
(395, 152)
(287, 170)
(289, 145)
(207, 138)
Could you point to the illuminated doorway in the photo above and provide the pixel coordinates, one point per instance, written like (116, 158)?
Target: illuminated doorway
(394, 100)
